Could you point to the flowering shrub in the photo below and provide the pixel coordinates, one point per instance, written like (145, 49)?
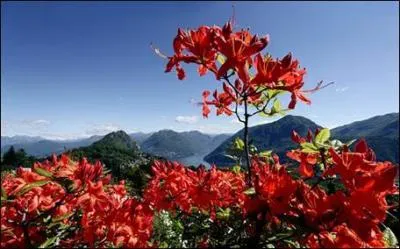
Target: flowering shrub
(248, 77)
(69, 204)
(73, 204)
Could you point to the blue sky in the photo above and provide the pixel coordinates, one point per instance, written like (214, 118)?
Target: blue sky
(77, 69)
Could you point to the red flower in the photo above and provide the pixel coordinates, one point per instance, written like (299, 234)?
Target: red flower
(199, 43)
(221, 101)
(306, 160)
(237, 48)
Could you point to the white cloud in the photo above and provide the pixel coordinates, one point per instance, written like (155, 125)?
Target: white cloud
(33, 123)
(102, 129)
(61, 136)
(217, 129)
(342, 89)
(25, 126)
(235, 121)
(187, 119)
(40, 122)
(193, 101)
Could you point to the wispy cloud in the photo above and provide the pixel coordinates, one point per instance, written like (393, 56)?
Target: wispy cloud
(194, 101)
(342, 89)
(235, 121)
(216, 129)
(61, 136)
(23, 126)
(102, 129)
(187, 119)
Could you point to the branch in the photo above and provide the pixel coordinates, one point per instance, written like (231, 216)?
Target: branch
(321, 178)
(237, 93)
(237, 113)
(260, 110)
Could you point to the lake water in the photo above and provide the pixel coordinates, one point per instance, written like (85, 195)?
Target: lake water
(194, 160)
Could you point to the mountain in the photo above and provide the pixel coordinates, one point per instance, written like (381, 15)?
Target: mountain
(180, 145)
(384, 125)
(120, 154)
(5, 140)
(44, 147)
(140, 137)
(116, 151)
(380, 132)
(272, 136)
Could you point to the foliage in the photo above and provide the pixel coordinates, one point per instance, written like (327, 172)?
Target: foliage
(66, 203)
(13, 159)
(69, 204)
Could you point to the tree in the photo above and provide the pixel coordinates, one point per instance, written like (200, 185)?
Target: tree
(249, 78)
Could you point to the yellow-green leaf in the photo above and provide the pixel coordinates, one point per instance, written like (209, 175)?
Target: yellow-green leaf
(236, 169)
(390, 238)
(221, 59)
(250, 191)
(3, 194)
(323, 136)
(271, 93)
(32, 185)
(276, 108)
(239, 144)
(266, 153)
(61, 217)
(49, 242)
(308, 147)
(43, 172)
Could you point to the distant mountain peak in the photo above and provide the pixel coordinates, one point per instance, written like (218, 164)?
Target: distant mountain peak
(118, 139)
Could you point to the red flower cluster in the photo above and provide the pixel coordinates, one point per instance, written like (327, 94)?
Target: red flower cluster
(80, 196)
(350, 218)
(62, 189)
(175, 187)
(237, 53)
(342, 219)
(306, 160)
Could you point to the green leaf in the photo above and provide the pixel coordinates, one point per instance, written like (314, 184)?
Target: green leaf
(308, 147)
(250, 191)
(265, 114)
(3, 194)
(322, 136)
(223, 214)
(272, 93)
(390, 238)
(32, 185)
(43, 172)
(266, 153)
(221, 59)
(61, 217)
(49, 242)
(7, 231)
(236, 169)
(294, 244)
(276, 108)
(239, 144)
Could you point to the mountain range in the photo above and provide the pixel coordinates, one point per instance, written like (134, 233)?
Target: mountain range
(381, 132)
